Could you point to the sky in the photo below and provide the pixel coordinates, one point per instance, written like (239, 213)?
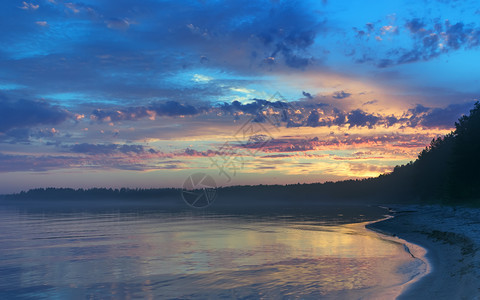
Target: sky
(145, 93)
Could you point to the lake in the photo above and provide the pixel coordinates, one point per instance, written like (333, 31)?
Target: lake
(156, 253)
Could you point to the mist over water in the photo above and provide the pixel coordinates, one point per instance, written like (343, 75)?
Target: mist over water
(139, 252)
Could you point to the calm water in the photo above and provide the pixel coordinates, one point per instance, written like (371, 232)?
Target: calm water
(149, 253)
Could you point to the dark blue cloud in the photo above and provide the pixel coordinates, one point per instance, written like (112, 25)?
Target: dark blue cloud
(340, 118)
(341, 95)
(422, 39)
(313, 119)
(354, 118)
(432, 40)
(384, 63)
(29, 113)
(415, 25)
(445, 117)
(121, 30)
(126, 114)
(438, 117)
(359, 118)
(308, 95)
(16, 135)
(173, 108)
(298, 114)
(133, 53)
(418, 116)
(391, 120)
(418, 109)
(254, 107)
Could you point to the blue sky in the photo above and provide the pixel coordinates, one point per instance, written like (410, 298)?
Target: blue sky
(144, 93)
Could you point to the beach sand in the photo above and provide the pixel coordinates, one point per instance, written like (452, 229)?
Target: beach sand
(451, 237)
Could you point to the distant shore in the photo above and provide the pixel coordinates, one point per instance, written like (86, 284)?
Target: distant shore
(451, 236)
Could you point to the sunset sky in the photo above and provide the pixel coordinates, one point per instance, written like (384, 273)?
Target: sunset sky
(132, 93)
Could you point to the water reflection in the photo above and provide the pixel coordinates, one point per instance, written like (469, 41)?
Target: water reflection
(152, 253)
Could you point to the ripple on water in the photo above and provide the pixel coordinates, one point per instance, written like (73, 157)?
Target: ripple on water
(159, 254)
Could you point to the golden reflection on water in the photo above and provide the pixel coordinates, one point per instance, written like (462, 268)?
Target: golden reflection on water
(158, 257)
(284, 259)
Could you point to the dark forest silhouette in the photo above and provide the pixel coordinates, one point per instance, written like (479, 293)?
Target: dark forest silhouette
(448, 170)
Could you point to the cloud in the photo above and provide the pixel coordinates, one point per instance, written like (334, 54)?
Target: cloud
(109, 149)
(126, 114)
(287, 145)
(415, 25)
(28, 135)
(384, 63)
(200, 77)
(291, 30)
(359, 118)
(370, 30)
(276, 156)
(291, 59)
(296, 114)
(81, 52)
(430, 41)
(250, 33)
(195, 153)
(173, 108)
(304, 114)
(29, 113)
(313, 119)
(362, 169)
(370, 27)
(288, 113)
(251, 107)
(341, 95)
(443, 118)
(370, 102)
(74, 8)
(29, 6)
(168, 108)
(18, 163)
(16, 135)
(92, 156)
(423, 41)
(117, 23)
(336, 117)
(391, 120)
(43, 163)
(308, 95)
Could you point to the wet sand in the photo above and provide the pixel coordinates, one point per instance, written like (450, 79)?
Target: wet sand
(451, 237)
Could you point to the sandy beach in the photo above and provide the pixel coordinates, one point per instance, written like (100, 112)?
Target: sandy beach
(451, 237)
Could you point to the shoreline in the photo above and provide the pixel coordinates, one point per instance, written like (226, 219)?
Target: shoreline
(451, 238)
(422, 265)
